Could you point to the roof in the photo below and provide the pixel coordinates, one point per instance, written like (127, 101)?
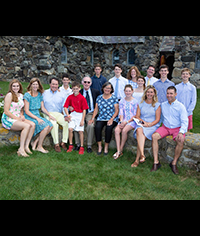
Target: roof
(112, 39)
(168, 44)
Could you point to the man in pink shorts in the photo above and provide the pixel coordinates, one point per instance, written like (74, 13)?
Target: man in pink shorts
(175, 123)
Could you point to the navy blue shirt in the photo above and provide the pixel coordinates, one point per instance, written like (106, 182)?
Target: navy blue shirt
(97, 83)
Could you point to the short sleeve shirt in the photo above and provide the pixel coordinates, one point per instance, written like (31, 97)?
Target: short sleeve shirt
(106, 108)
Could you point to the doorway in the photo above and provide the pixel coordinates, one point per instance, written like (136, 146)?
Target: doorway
(168, 59)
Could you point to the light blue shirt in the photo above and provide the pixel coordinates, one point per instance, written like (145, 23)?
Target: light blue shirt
(121, 85)
(54, 102)
(162, 89)
(187, 95)
(175, 116)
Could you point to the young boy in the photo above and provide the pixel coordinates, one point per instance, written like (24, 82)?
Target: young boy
(163, 83)
(77, 116)
(118, 82)
(98, 80)
(187, 95)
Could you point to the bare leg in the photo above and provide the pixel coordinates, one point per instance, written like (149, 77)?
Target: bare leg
(81, 135)
(117, 138)
(141, 141)
(125, 131)
(30, 135)
(42, 136)
(106, 147)
(24, 128)
(155, 138)
(70, 136)
(178, 150)
(99, 146)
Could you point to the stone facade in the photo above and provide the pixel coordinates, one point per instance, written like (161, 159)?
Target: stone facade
(24, 57)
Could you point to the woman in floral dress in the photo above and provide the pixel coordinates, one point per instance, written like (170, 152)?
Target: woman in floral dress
(13, 117)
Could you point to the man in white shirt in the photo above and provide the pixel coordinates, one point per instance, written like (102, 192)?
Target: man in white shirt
(150, 80)
(118, 82)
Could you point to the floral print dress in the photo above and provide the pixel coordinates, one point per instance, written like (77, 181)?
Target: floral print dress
(15, 109)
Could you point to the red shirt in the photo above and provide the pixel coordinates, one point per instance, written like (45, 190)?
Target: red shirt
(79, 103)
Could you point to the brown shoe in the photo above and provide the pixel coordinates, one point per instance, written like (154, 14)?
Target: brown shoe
(174, 169)
(156, 167)
(63, 146)
(57, 148)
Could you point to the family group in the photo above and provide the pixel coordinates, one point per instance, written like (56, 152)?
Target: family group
(153, 108)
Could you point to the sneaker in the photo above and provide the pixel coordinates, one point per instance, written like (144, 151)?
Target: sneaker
(70, 148)
(81, 151)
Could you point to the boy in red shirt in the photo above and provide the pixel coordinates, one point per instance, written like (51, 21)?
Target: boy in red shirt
(77, 116)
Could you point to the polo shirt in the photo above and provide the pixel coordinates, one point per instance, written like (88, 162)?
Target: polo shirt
(79, 103)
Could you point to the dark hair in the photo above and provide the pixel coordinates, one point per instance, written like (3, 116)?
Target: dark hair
(76, 84)
(118, 65)
(173, 88)
(151, 66)
(54, 79)
(164, 67)
(105, 85)
(65, 76)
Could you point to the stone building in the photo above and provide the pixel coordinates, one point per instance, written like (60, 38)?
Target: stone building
(24, 57)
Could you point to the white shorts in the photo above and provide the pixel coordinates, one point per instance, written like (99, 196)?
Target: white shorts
(75, 121)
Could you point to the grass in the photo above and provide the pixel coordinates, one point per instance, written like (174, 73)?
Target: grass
(71, 176)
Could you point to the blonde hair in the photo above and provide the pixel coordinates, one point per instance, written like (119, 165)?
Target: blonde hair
(33, 80)
(155, 97)
(186, 70)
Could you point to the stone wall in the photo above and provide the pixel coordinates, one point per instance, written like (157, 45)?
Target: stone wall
(186, 48)
(190, 156)
(24, 57)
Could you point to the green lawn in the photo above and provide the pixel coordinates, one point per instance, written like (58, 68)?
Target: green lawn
(71, 176)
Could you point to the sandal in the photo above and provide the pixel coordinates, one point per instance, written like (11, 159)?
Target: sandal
(142, 159)
(135, 164)
(117, 155)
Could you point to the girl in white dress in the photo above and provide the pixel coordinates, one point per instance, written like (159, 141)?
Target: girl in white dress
(139, 91)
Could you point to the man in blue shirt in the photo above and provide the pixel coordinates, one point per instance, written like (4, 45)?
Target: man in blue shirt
(54, 101)
(175, 123)
(163, 83)
(98, 80)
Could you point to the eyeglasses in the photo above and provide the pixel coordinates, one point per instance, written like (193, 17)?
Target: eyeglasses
(85, 82)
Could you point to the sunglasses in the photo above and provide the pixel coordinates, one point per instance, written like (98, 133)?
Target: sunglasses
(85, 82)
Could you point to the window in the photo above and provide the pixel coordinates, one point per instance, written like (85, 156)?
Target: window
(198, 60)
(131, 57)
(64, 55)
(115, 58)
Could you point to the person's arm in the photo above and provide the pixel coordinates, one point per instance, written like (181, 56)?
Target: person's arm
(83, 118)
(110, 122)
(44, 110)
(7, 104)
(96, 110)
(158, 115)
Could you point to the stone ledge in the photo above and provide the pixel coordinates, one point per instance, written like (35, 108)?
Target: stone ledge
(190, 156)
